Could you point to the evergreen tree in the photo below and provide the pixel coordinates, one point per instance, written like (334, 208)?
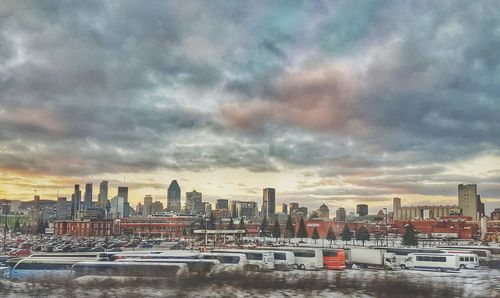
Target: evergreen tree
(276, 230)
(315, 235)
(40, 227)
(346, 234)
(410, 236)
(17, 226)
(264, 228)
(302, 232)
(230, 226)
(211, 222)
(330, 235)
(363, 234)
(241, 225)
(289, 228)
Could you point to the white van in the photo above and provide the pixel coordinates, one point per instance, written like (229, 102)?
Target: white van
(257, 260)
(432, 261)
(283, 260)
(468, 261)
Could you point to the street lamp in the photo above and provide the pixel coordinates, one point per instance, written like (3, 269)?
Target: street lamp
(206, 232)
(386, 231)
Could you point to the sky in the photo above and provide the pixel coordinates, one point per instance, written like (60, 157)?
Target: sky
(336, 102)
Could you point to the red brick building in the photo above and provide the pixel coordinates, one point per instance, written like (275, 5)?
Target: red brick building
(89, 228)
(163, 227)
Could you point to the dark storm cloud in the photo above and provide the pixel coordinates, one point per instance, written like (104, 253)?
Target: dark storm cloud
(382, 97)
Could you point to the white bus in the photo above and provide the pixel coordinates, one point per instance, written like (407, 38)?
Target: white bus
(257, 260)
(306, 258)
(468, 261)
(228, 261)
(432, 261)
(193, 265)
(138, 269)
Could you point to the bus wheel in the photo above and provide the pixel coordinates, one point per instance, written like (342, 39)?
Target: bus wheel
(403, 266)
(302, 267)
(462, 266)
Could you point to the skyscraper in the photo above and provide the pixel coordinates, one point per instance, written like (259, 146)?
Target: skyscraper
(103, 194)
(362, 209)
(284, 208)
(174, 197)
(87, 202)
(396, 206)
(192, 197)
(292, 207)
(341, 214)
(76, 199)
(268, 202)
(123, 192)
(148, 206)
(62, 208)
(222, 204)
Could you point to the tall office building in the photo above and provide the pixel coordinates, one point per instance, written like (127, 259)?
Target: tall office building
(341, 214)
(76, 200)
(87, 201)
(174, 197)
(192, 197)
(156, 207)
(123, 192)
(469, 201)
(222, 204)
(62, 208)
(269, 202)
(118, 206)
(243, 209)
(147, 210)
(362, 209)
(103, 194)
(292, 207)
(284, 208)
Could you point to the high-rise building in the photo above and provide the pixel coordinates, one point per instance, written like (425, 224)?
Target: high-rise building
(324, 211)
(396, 206)
(284, 208)
(192, 197)
(147, 210)
(156, 207)
(123, 192)
(362, 209)
(292, 207)
(243, 209)
(341, 214)
(103, 194)
(62, 208)
(76, 199)
(469, 201)
(174, 197)
(222, 204)
(36, 202)
(87, 201)
(269, 202)
(118, 206)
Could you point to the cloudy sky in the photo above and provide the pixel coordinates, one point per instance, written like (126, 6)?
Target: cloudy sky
(340, 102)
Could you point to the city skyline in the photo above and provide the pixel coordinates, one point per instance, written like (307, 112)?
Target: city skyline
(342, 103)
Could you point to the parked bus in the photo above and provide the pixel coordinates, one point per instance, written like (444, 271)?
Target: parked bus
(42, 267)
(193, 265)
(432, 261)
(483, 254)
(228, 261)
(257, 260)
(139, 269)
(306, 258)
(401, 253)
(334, 259)
(165, 255)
